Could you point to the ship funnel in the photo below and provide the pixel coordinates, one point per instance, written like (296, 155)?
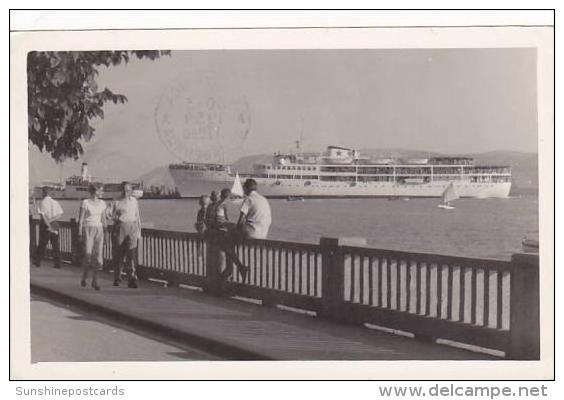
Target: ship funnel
(84, 171)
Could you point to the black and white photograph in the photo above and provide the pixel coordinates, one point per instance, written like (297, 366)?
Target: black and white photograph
(201, 203)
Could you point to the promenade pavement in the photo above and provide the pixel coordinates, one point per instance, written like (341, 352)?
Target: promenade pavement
(233, 329)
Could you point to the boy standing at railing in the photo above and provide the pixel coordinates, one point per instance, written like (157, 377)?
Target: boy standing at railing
(201, 223)
(201, 217)
(210, 210)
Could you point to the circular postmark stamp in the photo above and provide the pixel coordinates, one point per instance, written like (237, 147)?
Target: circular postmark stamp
(198, 121)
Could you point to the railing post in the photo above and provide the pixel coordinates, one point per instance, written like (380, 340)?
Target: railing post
(108, 238)
(332, 274)
(213, 265)
(524, 308)
(137, 257)
(76, 250)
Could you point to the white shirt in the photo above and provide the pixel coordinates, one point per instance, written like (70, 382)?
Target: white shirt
(93, 212)
(125, 210)
(49, 208)
(257, 215)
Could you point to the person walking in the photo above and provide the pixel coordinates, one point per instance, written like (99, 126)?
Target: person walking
(50, 212)
(91, 224)
(126, 233)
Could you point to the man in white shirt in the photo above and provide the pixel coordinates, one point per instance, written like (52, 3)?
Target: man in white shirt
(255, 217)
(126, 234)
(254, 222)
(50, 212)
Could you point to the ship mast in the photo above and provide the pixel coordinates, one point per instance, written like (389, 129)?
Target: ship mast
(301, 137)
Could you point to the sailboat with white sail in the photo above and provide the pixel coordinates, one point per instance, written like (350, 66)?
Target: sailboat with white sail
(448, 196)
(237, 189)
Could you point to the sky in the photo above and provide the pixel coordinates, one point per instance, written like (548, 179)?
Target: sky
(222, 105)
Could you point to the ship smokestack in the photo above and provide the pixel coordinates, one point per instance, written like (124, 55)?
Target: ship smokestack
(84, 171)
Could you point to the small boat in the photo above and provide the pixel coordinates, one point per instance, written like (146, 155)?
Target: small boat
(448, 196)
(530, 245)
(295, 198)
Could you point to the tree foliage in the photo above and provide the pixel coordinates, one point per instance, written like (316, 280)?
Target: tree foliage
(63, 97)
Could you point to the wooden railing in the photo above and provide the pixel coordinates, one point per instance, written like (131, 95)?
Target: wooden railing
(177, 257)
(65, 239)
(282, 273)
(487, 303)
(432, 296)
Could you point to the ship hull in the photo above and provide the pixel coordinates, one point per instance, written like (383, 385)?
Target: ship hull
(195, 183)
(75, 193)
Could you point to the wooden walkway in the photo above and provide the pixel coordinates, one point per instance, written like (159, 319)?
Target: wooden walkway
(235, 329)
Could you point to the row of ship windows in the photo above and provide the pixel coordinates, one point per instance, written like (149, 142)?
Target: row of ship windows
(385, 178)
(293, 167)
(399, 170)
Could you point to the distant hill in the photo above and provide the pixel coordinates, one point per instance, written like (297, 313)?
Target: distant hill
(523, 165)
(106, 164)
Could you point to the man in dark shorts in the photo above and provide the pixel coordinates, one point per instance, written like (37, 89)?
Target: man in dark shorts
(49, 211)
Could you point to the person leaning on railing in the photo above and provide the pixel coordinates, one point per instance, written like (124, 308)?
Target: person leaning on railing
(220, 230)
(254, 223)
(255, 217)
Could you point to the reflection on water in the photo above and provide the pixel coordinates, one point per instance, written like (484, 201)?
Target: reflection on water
(489, 228)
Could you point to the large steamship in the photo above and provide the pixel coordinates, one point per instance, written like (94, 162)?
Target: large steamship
(343, 172)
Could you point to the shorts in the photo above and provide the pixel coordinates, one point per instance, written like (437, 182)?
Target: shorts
(93, 238)
(127, 231)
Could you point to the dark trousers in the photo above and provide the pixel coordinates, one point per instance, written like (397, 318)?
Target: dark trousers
(45, 237)
(226, 241)
(124, 259)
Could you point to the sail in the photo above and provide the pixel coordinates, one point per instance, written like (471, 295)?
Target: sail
(449, 194)
(237, 188)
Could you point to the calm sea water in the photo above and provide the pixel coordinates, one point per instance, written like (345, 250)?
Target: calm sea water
(489, 228)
